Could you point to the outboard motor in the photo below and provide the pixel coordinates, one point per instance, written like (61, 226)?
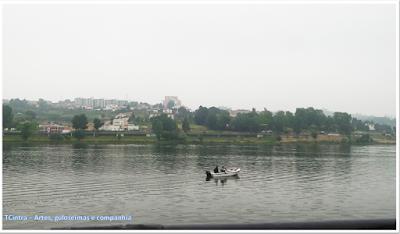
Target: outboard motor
(208, 173)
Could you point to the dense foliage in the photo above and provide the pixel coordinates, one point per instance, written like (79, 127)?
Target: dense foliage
(304, 119)
(79, 134)
(165, 127)
(365, 138)
(158, 128)
(185, 125)
(97, 123)
(7, 116)
(27, 129)
(79, 122)
(17, 112)
(56, 137)
(168, 123)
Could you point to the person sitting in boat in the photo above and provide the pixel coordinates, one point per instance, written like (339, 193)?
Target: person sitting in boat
(223, 169)
(216, 169)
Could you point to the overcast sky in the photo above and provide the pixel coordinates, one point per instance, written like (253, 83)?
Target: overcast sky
(341, 57)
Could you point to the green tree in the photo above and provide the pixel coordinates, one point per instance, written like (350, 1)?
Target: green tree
(223, 120)
(296, 125)
(320, 119)
(211, 121)
(30, 115)
(18, 103)
(359, 125)
(200, 115)
(183, 112)
(79, 122)
(158, 129)
(7, 116)
(14, 123)
(278, 121)
(246, 122)
(185, 125)
(42, 103)
(27, 129)
(289, 119)
(265, 119)
(300, 119)
(97, 123)
(238, 123)
(220, 125)
(79, 134)
(343, 121)
(250, 122)
(168, 123)
(329, 124)
(132, 118)
(214, 110)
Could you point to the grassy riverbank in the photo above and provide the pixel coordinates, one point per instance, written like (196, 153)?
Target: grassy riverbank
(270, 140)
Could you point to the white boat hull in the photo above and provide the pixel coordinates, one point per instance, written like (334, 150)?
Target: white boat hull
(228, 172)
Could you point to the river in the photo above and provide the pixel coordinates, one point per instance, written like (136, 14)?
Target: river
(156, 184)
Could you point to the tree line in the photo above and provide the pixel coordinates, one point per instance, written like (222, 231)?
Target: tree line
(304, 119)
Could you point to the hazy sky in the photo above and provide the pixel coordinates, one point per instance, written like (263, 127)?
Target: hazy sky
(341, 57)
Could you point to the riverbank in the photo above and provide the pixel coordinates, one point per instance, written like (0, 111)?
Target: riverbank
(270, 140)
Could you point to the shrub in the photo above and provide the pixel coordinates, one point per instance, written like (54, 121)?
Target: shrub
(56, 137)
(182, 137)
(201, 138)
(279, 138)
(364, 139)
(170, 135)
(79, 134)
(314, 134)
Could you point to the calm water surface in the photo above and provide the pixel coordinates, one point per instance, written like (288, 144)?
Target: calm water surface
(167, 184)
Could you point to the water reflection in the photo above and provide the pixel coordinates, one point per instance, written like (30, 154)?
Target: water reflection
(165, 184)
(80, 145)
(344, 150)
(223, 180)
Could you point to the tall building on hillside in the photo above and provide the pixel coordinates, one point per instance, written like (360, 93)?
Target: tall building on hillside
(171, 98)
(84, 101)
(110, 102)
(122, 102)
(98, 103)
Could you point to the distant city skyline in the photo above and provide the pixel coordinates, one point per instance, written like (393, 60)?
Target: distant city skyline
(194, 109)
(280, 56)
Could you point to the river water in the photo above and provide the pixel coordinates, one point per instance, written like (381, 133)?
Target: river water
(152, 184)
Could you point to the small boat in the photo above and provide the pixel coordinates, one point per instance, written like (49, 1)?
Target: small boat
(227, 172)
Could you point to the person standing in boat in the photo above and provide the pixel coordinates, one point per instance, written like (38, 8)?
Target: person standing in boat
(216, 169)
